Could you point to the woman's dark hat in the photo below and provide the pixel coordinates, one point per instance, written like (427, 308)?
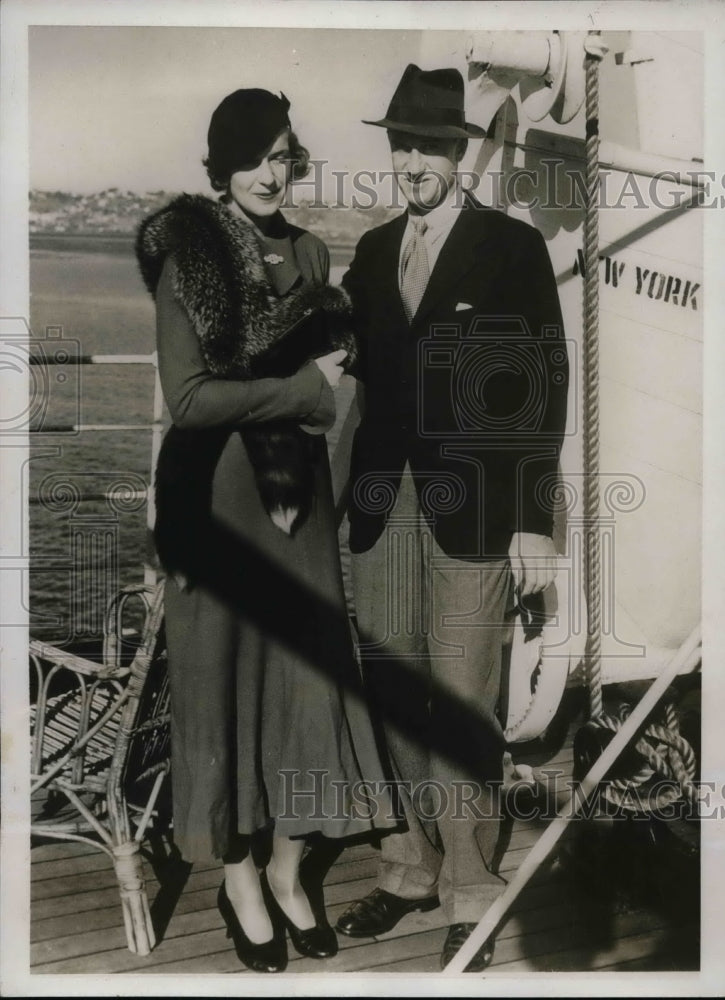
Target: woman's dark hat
(431, 104)
(243, 127)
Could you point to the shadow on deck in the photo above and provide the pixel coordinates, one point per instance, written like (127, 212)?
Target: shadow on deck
(620, 896)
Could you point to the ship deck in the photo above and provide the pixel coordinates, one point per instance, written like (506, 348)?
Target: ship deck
(633, 909)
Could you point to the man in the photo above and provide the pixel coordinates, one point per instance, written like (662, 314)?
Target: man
(464, 372)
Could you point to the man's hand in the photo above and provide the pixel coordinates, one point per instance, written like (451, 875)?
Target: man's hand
(533, 562)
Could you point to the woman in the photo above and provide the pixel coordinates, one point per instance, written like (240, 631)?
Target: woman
(268, 729)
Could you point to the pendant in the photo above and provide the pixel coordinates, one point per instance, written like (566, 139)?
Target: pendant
(273, 258)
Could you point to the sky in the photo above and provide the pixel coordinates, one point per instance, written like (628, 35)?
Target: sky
(129, 107)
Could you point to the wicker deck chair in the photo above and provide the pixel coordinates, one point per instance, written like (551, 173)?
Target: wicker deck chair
(100, 746)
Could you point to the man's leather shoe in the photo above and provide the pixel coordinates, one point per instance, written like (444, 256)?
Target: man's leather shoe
(457, 935)
(380, 912)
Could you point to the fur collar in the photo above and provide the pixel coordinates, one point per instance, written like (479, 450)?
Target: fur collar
(221, 281)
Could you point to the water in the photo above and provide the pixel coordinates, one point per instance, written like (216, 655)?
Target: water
(87, 297)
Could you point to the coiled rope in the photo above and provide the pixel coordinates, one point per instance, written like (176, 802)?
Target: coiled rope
(667, 770)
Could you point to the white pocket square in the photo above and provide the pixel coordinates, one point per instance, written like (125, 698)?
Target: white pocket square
(463, 305)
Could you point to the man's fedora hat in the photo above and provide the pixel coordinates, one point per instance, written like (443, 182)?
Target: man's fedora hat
(430, 104)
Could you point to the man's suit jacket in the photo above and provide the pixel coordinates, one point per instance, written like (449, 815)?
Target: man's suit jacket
(471, 392)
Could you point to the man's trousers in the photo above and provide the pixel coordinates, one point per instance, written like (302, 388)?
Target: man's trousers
(432, 630)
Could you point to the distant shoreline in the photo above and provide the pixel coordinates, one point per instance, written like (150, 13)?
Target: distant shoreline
(86, 242)
(107, 221)
(122, 243)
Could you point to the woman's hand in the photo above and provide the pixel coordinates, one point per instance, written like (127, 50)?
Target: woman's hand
(331, 366)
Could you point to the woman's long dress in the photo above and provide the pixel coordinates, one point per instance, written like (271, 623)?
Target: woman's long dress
(268, 724)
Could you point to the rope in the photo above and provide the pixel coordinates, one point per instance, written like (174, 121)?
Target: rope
(671, 720)
(128, 868)
(137, 921)
(592, 552)
(666, 755)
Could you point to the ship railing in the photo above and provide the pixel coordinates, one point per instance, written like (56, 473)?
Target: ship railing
(156, 426)
(339, 458)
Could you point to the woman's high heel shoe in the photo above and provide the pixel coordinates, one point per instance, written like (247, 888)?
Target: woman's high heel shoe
(319, 941)
(269, 956)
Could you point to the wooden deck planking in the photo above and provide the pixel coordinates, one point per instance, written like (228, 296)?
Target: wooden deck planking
(538, 934)
(199, 914)
(649, 949)
(77, 926)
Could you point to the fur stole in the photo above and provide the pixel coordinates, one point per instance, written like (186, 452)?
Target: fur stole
(245, 331)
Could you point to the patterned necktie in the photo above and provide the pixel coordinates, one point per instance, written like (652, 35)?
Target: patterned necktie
(414, 272)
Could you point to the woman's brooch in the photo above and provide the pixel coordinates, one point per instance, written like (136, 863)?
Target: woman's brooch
(273, 258)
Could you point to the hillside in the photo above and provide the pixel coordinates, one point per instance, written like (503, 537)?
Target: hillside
(116, 212)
